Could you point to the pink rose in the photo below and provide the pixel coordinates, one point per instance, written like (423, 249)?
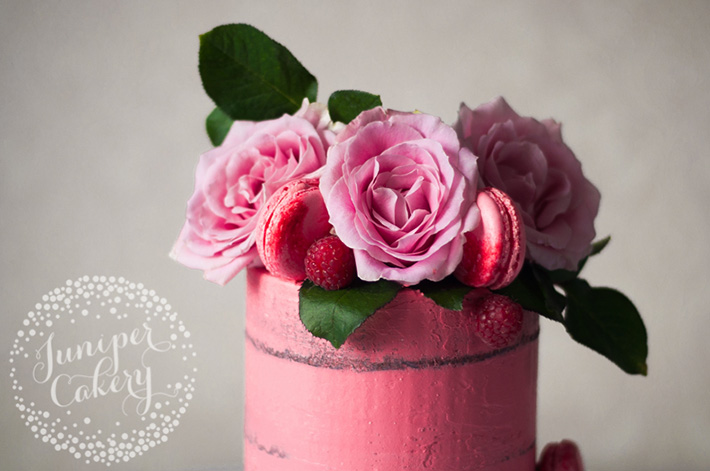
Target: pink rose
(528, 160)
(400, 191)
(234, 180)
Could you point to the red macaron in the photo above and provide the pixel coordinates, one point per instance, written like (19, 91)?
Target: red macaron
(494, 251)
(294, 217)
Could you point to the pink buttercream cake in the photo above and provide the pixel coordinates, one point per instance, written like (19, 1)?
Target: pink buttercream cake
(413, 388)
(354, 192)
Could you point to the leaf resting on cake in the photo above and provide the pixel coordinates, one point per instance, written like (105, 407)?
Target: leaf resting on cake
(334, 315)
(447, 293)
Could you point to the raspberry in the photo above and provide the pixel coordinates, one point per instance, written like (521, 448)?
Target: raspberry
(330, 264)
(562, 456)
(499, 320)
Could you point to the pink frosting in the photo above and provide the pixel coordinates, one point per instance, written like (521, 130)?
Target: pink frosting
(412, 389)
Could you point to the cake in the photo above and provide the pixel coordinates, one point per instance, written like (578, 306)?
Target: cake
(413, 388)
(397, 268)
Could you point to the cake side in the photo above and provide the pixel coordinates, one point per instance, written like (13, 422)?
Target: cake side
(413, 388)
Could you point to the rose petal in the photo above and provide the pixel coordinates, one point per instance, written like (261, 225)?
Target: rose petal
(528, 160)
(399, 191)
(234, 180)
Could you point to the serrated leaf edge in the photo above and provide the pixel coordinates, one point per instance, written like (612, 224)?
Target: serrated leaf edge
(334, 307)
(642, 367)
(207, 36)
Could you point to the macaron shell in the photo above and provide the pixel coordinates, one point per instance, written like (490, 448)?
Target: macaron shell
(494, 252)
(294, 217)
(515, 239)
(485, 246)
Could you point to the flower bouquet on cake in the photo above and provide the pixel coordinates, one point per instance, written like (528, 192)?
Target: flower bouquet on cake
(397, 267)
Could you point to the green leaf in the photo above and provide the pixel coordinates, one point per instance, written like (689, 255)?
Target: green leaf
(218, 125)
(345, 105)
(334, 315)
(250, 76)
(555, 302)
(606, 321)
(447, 293)
(563, 276)
(534, 290)
(599, 245)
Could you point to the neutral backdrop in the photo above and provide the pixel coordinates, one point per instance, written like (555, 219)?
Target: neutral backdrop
(101, 126)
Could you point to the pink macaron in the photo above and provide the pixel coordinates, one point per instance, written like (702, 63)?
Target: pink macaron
(494, 251)
(293, 218)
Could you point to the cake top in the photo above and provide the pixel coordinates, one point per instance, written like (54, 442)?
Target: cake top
(491, 215)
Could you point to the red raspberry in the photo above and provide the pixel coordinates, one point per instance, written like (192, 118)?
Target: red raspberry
(563, 456)
(330, 264)
(499, 320)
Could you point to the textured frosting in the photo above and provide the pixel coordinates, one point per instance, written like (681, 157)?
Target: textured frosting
(412, 389)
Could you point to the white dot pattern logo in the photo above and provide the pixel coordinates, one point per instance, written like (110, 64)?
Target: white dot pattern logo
(102, 368)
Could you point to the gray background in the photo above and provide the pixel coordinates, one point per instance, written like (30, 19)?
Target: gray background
(101, 127)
